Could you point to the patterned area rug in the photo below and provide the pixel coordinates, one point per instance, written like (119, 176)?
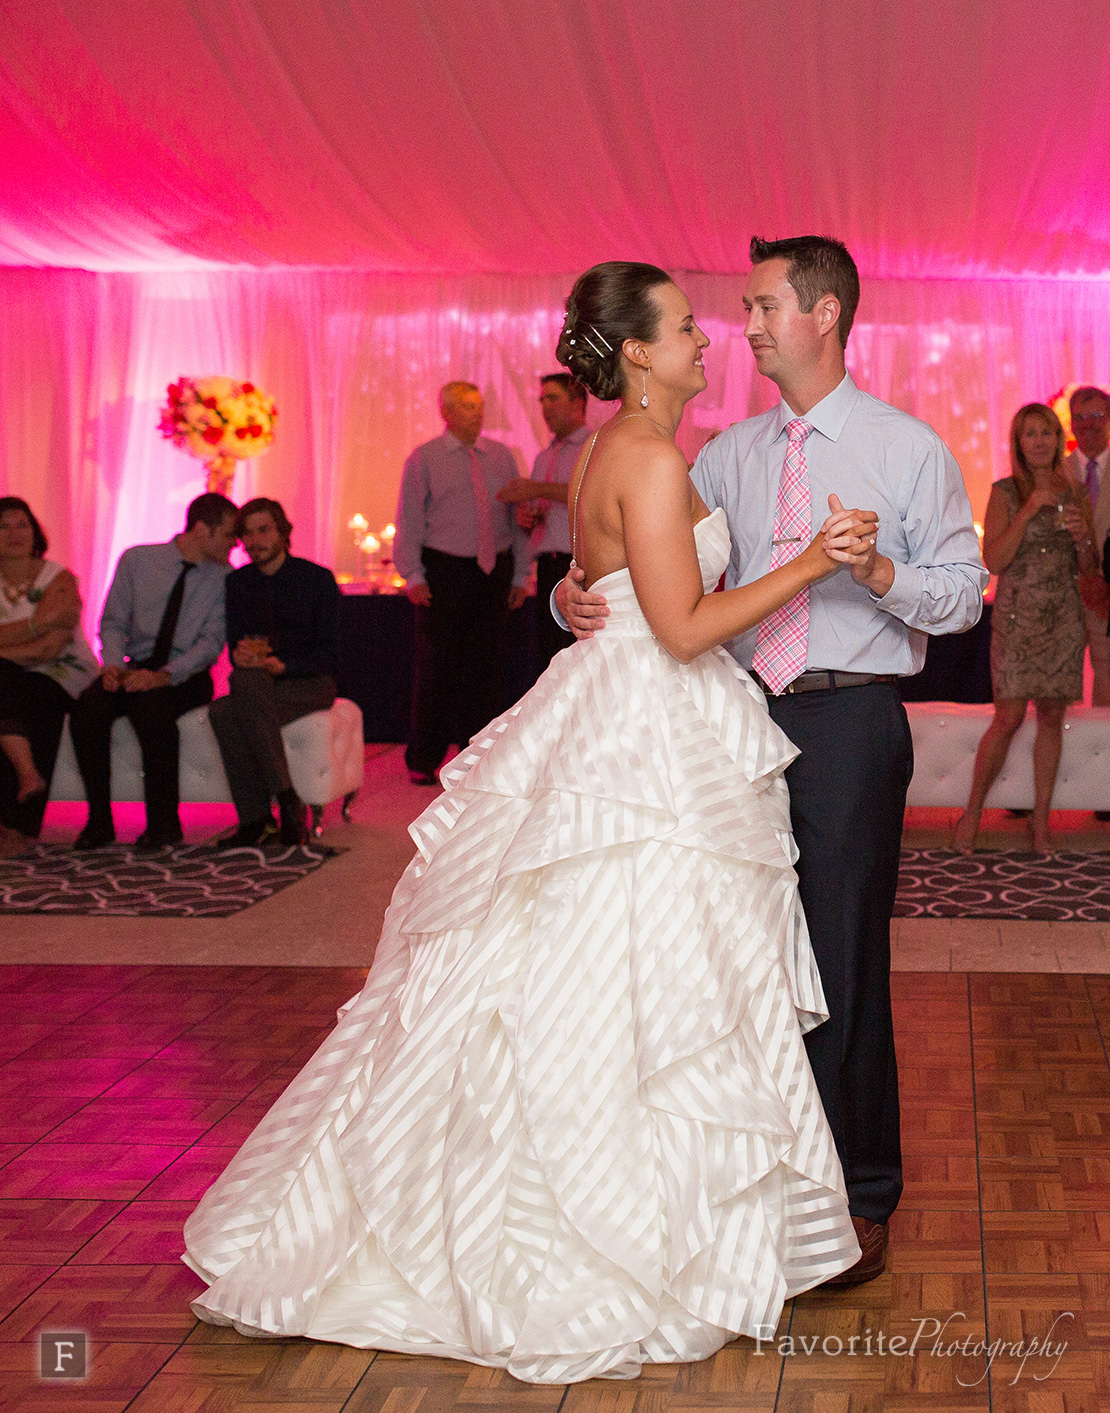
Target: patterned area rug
(1064, 887)
(192, 880)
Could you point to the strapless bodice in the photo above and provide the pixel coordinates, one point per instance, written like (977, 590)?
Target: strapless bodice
(625, 615)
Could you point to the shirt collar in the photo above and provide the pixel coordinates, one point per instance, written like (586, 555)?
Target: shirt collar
(453, 443)
(575, 438)
(830, 414)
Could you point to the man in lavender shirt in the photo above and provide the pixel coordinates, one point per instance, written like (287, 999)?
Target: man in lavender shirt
(464, 560)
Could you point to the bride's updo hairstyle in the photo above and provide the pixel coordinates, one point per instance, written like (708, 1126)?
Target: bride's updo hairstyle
(608, 304)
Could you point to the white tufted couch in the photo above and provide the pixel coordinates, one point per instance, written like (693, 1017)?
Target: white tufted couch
(324, 750)
(946, 736)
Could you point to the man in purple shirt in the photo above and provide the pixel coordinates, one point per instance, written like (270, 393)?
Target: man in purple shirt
(465, 560)
(542, 501)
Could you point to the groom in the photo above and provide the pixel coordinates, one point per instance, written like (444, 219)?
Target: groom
(832, 687)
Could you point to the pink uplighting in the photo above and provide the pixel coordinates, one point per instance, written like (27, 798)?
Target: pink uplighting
(258, 191)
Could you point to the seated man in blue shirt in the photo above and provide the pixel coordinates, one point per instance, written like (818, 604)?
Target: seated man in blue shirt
(161, 630)
(283, 630)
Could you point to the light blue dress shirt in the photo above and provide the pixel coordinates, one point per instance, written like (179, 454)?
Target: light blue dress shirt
(137, 599)
(436, 507)
(873, 457)
(555, 464)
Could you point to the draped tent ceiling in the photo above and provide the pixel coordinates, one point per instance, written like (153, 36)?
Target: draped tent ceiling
(351, 201)
(951, 138)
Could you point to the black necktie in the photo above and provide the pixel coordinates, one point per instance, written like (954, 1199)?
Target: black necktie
(168, 626)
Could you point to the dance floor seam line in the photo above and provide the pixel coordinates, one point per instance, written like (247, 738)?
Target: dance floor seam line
(1005, 1216)
(978, 1159)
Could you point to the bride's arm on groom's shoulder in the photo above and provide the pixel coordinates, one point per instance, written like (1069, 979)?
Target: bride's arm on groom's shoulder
(663, 561)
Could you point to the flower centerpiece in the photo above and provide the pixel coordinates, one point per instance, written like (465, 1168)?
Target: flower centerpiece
(219, 421)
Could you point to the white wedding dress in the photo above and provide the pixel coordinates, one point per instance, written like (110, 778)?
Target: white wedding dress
(568, 1126)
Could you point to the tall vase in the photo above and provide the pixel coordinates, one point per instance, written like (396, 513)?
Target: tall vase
(221, 473)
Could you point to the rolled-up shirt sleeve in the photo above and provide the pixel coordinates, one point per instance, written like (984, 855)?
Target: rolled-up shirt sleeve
(115, 621)
(939, 589)
(411, 520)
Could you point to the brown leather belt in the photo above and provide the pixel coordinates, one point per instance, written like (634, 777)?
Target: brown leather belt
(826, 681)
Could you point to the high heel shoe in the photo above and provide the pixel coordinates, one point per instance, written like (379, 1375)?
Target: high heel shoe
(960, 841)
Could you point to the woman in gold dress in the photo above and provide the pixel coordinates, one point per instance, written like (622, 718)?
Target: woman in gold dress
(1038, 538)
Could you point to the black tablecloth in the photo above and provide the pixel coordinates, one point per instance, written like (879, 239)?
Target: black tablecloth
(957, 667)
(376, 662)
(376, 659)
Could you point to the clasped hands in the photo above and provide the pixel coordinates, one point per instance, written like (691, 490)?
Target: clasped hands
(847, 537)
(850, 537)
(255, 651)
(134, 679)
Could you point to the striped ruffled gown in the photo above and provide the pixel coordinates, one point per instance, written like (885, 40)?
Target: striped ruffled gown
(568, 1126)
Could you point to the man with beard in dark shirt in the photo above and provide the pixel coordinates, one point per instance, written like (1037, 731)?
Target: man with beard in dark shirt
(282, 630)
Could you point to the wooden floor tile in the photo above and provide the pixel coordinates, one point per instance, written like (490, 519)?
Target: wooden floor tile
(1086, 1183)
(17, 1282)
(117, 1372)
(1006, 1098)
(167, 1078)
(1029, 1242)
(189, 1177)
(251, 1373)
(144, 1303)
(178, 1121)
(1094, 1291)
(1090, 1241)
(26, 1120)
(1080, 1128)
(139, 1040)
(96, 1170)
(61, 1076)
(20, 1039)
(925, 1129)
(932, 1241)
(50, 1230)
(937, 1181)
(143, 1232)
(1015, 1184)
(395, 1383)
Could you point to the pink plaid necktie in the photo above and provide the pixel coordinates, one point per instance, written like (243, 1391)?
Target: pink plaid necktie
(783, 638)
(487, 545)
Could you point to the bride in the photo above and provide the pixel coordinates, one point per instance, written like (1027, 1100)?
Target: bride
(568, 1126)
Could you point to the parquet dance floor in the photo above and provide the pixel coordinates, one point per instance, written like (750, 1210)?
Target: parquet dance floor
(123, 1090)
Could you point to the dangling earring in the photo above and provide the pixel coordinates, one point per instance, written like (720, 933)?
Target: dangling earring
(643, 400)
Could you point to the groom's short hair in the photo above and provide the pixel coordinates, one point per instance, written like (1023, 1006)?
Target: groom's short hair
(818, 265)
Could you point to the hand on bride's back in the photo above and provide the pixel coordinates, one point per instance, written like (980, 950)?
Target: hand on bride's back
(585, 613)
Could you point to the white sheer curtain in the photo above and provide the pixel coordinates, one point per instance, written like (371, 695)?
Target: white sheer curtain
(941, 139)
(354, 362)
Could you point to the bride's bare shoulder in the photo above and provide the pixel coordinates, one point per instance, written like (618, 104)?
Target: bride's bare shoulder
(646, 453)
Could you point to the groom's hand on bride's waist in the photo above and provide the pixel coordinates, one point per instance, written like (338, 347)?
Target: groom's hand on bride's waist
(585, 613)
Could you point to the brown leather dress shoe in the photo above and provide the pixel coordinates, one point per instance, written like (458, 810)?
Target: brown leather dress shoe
(872, 1238)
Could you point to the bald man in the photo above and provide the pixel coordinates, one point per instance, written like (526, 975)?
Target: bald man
(464, 560)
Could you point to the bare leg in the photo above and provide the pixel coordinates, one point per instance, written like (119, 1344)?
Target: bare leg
(18, 751)
(989, 760)
(1046, 762)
